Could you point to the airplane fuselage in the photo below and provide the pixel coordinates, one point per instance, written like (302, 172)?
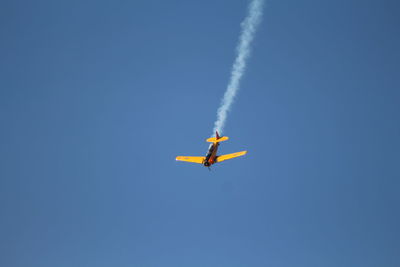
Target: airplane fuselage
(211, 155)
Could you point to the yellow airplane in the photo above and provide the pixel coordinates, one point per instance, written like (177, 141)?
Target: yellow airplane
(211, 156)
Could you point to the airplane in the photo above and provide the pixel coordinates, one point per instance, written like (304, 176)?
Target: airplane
(211, 156)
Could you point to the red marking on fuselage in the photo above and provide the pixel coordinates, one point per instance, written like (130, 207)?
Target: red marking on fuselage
(212, 154)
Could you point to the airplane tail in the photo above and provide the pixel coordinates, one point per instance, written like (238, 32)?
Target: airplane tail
(217, 138)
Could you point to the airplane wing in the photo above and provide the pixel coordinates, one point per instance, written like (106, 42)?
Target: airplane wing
(230, 156)
(191, 159)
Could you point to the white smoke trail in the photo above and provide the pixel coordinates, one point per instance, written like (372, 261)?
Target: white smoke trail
(249, 26)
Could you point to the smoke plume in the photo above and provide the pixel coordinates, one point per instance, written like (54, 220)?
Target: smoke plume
(249, 27)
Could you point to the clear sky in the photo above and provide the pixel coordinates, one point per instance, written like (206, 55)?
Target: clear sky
(97, 98)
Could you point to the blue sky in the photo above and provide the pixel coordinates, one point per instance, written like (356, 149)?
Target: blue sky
(97, 98)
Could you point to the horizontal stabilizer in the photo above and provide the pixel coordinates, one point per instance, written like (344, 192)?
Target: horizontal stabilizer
(215, 140)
